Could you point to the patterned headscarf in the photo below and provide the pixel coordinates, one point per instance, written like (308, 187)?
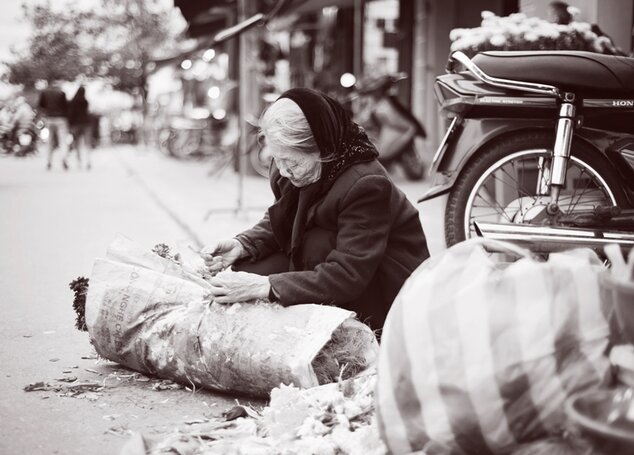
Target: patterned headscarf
(341, 142)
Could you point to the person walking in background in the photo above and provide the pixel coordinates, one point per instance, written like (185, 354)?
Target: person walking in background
(53, 105)
(561, 13)
(79, 123)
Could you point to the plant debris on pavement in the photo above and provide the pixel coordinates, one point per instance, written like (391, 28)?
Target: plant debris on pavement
(337, 418)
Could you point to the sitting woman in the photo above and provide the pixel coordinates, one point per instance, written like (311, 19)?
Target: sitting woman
(339, 233)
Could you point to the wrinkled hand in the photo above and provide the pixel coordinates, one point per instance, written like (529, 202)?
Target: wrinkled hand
(232, 287)
(221, 255)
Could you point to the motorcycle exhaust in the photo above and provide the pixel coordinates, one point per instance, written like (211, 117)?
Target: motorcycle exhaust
(547, 239)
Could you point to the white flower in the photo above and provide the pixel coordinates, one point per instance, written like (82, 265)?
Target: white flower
(518, 17)
(458, 45)
(487, 14)
(534, 21)
(456, 33)
(531, 37)
(498, 40)
(581, 26)
(573, 11)
(547, 31)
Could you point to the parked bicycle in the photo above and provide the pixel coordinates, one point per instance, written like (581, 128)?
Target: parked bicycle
(217, 141)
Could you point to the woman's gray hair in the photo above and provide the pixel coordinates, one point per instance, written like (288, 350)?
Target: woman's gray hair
(284, 125)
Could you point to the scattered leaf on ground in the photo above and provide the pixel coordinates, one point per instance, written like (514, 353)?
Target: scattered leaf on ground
(36, 386)
(195, 421)
(67, 379)
(90, 370)
(235, 413)
(166, 384)
(54, 359)
(119, 430)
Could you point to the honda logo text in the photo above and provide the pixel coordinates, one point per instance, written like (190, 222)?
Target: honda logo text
(623, 103)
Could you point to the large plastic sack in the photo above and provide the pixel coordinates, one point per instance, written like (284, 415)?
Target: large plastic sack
(477, 357)
(151, 314)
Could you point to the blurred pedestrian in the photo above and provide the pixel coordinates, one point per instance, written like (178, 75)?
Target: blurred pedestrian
(79, 122)
(54, 106)
(563, 14)
(559, 13)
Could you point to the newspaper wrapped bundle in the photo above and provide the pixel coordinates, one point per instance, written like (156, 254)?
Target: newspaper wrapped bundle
(152, 314)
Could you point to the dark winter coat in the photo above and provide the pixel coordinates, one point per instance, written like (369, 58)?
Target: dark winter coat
(53, 102)
(359, 243)
(78, 109)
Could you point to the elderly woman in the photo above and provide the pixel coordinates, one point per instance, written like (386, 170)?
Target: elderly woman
(339, 233)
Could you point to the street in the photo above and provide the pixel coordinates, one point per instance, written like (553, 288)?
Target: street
(54, 224)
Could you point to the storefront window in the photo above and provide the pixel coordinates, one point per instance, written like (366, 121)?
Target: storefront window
(380, 41)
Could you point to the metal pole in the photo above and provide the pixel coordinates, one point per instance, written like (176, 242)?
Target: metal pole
(357, 58)
(244, 88)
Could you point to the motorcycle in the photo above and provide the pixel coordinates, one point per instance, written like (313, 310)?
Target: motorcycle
(20, 141)
(390, 125)
(539, 149)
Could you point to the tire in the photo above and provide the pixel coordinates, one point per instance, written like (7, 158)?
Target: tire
(412, 164)
(525, 148)
(260, 159)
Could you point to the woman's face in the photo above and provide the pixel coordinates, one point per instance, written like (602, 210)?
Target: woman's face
(300, 168)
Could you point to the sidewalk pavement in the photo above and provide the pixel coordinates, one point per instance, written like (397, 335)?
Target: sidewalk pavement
(209, 207)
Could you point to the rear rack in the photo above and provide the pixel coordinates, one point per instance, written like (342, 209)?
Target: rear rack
(502, 83)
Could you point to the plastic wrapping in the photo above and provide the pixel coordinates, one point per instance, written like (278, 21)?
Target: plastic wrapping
(476, 357)
(150, 314)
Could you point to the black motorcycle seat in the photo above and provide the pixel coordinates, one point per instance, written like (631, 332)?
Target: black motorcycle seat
(573, 71)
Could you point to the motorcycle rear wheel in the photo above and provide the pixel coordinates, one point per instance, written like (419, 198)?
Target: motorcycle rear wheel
(507, 166)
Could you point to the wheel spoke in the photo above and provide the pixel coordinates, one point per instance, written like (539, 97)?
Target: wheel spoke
(572, 198)
(502, 211)
(519, 181)
(572, 206)
(511, 186)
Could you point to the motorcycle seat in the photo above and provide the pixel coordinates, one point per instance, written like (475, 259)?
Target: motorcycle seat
(573, 71)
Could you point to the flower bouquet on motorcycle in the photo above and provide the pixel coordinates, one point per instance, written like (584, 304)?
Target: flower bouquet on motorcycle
(539, 146)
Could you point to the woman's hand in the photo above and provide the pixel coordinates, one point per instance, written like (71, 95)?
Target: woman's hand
(232, 287)
(221, 255)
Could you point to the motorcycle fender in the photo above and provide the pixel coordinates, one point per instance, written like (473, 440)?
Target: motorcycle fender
(464, 143)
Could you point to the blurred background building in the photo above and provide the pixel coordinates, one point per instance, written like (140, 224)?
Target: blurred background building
(322, 43)
(193, 68)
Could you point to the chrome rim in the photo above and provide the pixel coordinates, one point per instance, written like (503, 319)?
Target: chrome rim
(507, 191)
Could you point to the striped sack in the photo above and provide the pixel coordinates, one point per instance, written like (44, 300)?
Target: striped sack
(477, 357)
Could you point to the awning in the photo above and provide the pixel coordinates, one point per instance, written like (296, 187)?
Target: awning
(208, 17)
(310, 6)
